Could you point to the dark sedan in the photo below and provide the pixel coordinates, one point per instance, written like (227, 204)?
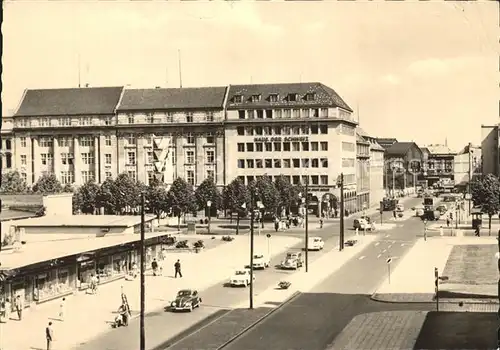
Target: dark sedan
(186, 300)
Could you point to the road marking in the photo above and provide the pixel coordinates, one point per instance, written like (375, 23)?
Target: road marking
(378, 256)
(402, 244)
(376, 244)
(383, 251)
(361, 257)
(389, 247)
(387, 236)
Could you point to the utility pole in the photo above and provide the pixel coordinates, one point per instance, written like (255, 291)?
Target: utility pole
(436, 287)
(307, 224)
(341, 235)
(470, 176)
(143, 270)
(251, 245)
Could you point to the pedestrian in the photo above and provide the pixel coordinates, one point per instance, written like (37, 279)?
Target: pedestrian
(62, 309)
(321, 223)
(394, 214)
(134, 269)
(276, 225)
(154, 266)
(478, 231)
(177, 267)
(7, 308)
(19, 307)
(49, 335)
(357, 231)
(441, 232)
(448, 221)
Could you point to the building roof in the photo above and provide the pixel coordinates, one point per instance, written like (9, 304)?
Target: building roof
(399, 149)
(325, 96)
(362, 132)
(466, 149)
(361, 139)
(75, 101)
(440, 150)
(374, 145)
(180, 98)
(7, 215)
(83, 221)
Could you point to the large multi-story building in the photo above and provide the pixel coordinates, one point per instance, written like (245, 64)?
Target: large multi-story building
(376, 166)
(467, 166)
(362, 170)
(490, 148)
(6, 146)
(440, 164)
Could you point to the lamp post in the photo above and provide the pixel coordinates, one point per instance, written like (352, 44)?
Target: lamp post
(143, 269)
(261, 215)
(209, 205)
(340, 183)
(456, 215)
(252, 217)
(306, 248)
(470, 176)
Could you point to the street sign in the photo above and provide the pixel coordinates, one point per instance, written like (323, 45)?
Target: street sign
(268, 235)
(389, 260)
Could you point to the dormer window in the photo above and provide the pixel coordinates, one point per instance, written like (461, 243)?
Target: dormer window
(256, 98)
(293, 97)
(273, 97)
(238, 98)
(311, 96)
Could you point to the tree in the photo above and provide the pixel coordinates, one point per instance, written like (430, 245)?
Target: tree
(88, 197)
(12, 182)
(48, 184)
(487, 194)
(105, 199)
(266, 192)
(76, 202)
(235, 196)
(181, 199)
(126, 193)
(288, 193)
(156, 198)
(68, 189)
(207, 191)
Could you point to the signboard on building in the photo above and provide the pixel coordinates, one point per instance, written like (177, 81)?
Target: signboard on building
(280, 139)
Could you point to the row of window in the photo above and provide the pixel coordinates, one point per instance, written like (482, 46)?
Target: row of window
(283, 163)
(285, 146)
(321, 129)
(283, 113)
(294, 179)
(63, 121)
(274, 97)
(169, 118)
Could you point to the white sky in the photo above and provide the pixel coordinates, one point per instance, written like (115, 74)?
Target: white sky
(418, 71)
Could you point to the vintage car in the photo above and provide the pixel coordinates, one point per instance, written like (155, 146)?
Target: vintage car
(292, 261)
(363, 223)
(240, 278)
(260, 261)
(186, 300)
(315, 243)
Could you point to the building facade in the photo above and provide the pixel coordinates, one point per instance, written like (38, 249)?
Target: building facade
(302, 131)
(377, 190)
(440, 164)
(490, 149)
(467, 165)
(362, 171)
(6, 146)
(403, 164)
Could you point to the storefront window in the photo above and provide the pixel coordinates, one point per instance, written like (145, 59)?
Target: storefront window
(104, 267)
(85, 271)
(120, 264)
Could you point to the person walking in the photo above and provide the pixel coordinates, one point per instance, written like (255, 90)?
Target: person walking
(19, 307)
(62, 309)
(441, 232)
(478, 231)
(177, 267)
(154, 266)
(448, 221)
(321, 222)
(49, 335)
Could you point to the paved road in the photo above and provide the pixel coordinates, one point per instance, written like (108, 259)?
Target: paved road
(312, 320)
(162, 326)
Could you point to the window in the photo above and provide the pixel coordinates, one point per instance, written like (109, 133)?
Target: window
(107, 158)
(304, 130)
(277, 147)
(23, 141)
(210, 155)
(269, 147)
(277, 130)
(45, 141)
(324, 112)
(238, 99)
(347, 162)
(287, 113)
(287, 130)
(306, 113)
(268, 163)
(189, 157)
(86, 141)
(87, 176)
(210, 174)
(305, 146)
(324, 162)
(107, 140)
(45, 122)
(260, 114)
(241, 147)
(296, 113)
(209, 117)
(314, 129)
(348, 146)
(296, 130)
(315, 113)
(258, 130)
(292, 97)
(259, 164)
(249, 131)
(269, 113)
(172, 152)
(23, 159)
(150, 158)
(314, 146)
(259, 147)
(273, 98)
(88, 158)
(277, 163)
(323, 129)
(305, 163)
(324, 179)
(64, 141)
(67, 177)
(249, 147)
(314, 179)
(268, 130)
(150, 119)
(170, 117)
(310, 96)
(190, 138)
(130, 118)
(286, 146)
(323, 145)
(286, 163)
(108, 175)
(132, 174)
(24, 176)
(47, 158)
(295, 179)
(255, 98)
(315, 163)
(210, 138)
(240, 130)
(67, 158)
(190, 177)
(189, 117)
(241, 114)
(250, 163)
(295, 146)
(296, 163)
(86, 121)
(64, 121)
(108, 121)
(241, 163)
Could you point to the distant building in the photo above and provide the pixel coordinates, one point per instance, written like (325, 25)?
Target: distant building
(467, 165)
(490, 146)
(373, 167)
(440, 164)
(403, 165)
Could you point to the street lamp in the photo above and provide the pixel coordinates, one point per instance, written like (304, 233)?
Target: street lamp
(260, 205)
(456, 215)
(252, 220)
(305, 202)
(393, 181)
(209, 205)
(143, 270)
(340, 183)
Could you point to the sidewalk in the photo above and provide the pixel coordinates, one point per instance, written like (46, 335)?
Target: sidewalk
(89, 315)
(413, 278)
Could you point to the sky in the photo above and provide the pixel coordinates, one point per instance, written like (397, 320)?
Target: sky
(417, 71)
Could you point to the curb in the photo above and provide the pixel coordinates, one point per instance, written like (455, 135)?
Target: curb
(388, 300)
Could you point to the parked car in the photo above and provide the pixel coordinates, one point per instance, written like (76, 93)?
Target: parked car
(315, 243)
(442, 208)
(186, 300)
(400, 207)
(240, 278)
(362, 223)
(292, 261)
(260, 261)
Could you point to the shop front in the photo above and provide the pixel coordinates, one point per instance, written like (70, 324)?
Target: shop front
(54, 283)
(114, 263)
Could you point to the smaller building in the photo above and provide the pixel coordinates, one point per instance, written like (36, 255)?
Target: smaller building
(490, 147)
(467, 165)
(440, 164)
(362, 170)
(403, 162)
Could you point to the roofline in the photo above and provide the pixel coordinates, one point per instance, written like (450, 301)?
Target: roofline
(20, 102)
(119, 100)
(226, 98)
(118, 110)
(65, 115)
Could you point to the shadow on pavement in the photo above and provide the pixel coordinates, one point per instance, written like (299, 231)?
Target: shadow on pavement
(458, 330)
